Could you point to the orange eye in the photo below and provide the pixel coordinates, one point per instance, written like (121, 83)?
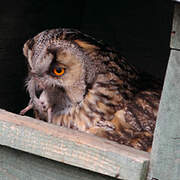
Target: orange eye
(58, 71)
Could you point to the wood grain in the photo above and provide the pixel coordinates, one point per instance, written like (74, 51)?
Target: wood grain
(175, 33)
(165, 157)
(18, 165)
(72, 147)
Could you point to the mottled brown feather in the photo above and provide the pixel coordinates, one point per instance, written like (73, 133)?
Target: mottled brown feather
(103, 94)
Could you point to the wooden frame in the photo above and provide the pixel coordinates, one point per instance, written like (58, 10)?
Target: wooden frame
(165, 157)
(59, 146)
(72, 147)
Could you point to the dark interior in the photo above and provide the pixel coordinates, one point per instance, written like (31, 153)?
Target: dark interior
(140, 30)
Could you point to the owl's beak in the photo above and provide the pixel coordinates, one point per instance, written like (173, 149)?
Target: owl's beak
(38, 92)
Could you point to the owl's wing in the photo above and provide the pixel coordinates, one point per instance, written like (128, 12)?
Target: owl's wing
(134, 120)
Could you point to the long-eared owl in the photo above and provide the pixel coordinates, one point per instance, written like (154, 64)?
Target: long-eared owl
(78, 82)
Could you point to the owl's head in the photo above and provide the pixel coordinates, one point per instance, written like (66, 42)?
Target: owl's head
(64, 58)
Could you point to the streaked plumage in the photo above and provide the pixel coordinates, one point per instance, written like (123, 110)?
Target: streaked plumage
(98, 92)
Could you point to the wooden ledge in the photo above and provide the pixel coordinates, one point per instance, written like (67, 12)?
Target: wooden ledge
(72, 147)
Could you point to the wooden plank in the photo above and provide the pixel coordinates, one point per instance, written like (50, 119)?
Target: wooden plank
(165, 157)
(175, 35)
(18, 165)
(72, 147)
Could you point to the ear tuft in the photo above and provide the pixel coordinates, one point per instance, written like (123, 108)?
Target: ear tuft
(85, 45)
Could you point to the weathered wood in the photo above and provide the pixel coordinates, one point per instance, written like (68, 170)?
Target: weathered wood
(72, 147)
(175, 35)
(18, 165)
(165, 157)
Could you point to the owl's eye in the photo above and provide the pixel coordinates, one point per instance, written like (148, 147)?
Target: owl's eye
(58, 71)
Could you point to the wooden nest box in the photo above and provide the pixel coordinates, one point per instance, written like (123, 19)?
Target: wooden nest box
(34, 150)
